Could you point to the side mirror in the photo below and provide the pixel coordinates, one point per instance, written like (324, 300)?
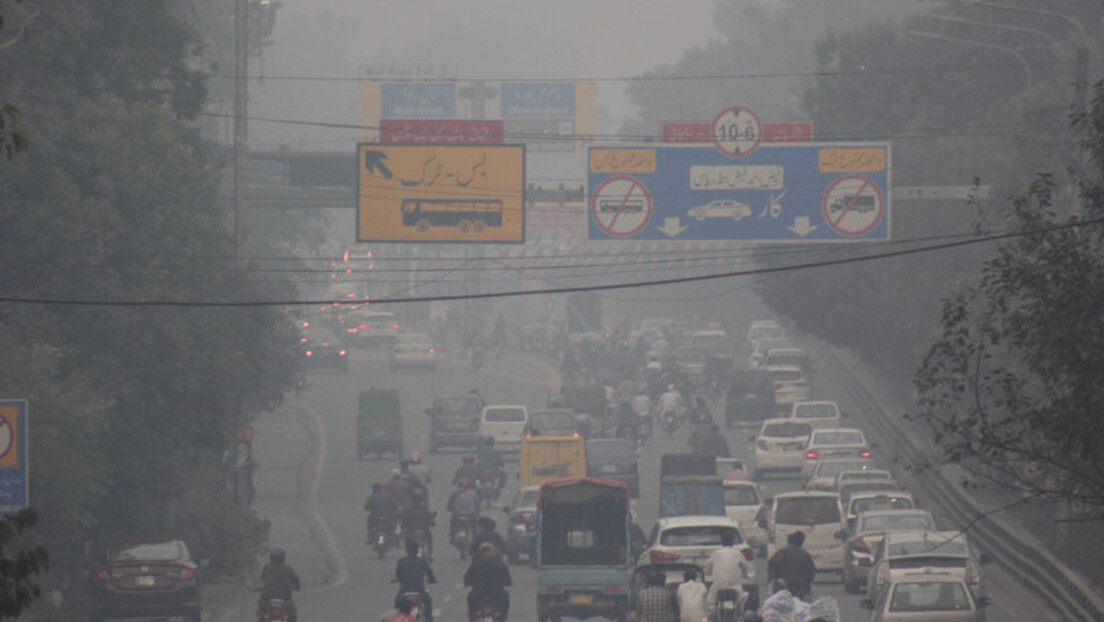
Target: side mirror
(984, 601)
(866, 603)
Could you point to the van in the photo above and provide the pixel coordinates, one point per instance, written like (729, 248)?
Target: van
(818, 514)
(505, 424)
(544, 458)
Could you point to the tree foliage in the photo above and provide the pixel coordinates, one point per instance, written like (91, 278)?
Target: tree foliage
(1014, 387)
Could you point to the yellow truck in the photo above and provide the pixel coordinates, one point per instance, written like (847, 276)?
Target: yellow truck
(545, 458)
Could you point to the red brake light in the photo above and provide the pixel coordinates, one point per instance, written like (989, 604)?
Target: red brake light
(811, 455)
(864, 454)
(749, 554)
(662, 557)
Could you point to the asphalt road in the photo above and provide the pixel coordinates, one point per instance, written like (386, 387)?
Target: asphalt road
(312, 487)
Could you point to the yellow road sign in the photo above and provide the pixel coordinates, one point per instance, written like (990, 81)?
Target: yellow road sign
(440, 193)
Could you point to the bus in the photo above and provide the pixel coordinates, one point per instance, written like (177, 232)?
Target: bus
(465, 214)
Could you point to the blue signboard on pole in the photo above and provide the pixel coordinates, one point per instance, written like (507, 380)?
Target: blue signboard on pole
(820, 192)
(14, 471)
(418, 100)
(538, 100)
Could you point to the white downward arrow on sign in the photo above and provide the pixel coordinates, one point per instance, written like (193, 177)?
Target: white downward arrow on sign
(672, 227)
(801, 226)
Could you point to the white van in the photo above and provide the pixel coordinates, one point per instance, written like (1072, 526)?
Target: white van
(820, 515)
(505, 424)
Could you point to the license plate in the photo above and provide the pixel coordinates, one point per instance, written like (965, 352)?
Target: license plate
(581, 599)
(144, 580)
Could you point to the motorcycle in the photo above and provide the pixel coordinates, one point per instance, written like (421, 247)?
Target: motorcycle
(380, 535)
(728, 605)
(488, 486)
(274, 610)
(486, 611)
(462, 538)
(670, 422)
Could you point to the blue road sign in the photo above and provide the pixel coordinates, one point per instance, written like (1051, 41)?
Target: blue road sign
(820, 192)
(418, 100)
(14, 470)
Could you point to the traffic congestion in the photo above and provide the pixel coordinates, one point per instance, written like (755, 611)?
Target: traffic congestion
(659, 470)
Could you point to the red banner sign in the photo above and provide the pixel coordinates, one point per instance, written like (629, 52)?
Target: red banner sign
(448, 131)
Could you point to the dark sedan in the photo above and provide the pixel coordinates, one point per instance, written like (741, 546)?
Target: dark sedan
(616, 459)
(145, 579)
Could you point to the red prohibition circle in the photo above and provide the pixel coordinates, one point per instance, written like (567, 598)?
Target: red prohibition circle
(758, 132)
(866, 182)
(608, 229)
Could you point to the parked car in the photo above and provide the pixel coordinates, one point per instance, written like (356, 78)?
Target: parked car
(455, 421)
(692, 539)
(413, 350)
(834, 443)
(780, 446)
(906, 555)
(521, 522)
(616, 459)
(937, 597)
(869, 531)
(145, 578)
(819, 414)
(819, 515)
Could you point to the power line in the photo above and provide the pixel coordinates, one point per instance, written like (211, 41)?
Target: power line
(563, 290)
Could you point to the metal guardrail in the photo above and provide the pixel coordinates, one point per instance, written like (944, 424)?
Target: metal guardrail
(1063, 589)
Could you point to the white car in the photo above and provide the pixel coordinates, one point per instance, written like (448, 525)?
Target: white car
(819, 414)
(744, 504)
(790, 386)
(692, 539)
(413, 350)
(721, 208)
(780, 446)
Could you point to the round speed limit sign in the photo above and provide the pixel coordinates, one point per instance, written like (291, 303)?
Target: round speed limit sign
(736, 131)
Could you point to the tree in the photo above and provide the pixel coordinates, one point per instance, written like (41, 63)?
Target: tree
(1013, 388)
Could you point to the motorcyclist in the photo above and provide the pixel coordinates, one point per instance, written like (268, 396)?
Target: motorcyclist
(491, 460)
(794, 565)
(467, 470)
(464, 502)
(417, 517)
(412, 573)
(488, 576)
(729, 569)
(421, 471)
(487, 533)
(380, 507)
(279, 581)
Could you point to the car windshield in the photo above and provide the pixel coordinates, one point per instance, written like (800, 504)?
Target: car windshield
(868, 504)
(929, 596)
(891, 522)
(698, 535)
(154, 551)
(837, 437)
(504, 415)
(555, 420)
(936, 544)
(458, 406)
(815, 411)
(807, 511)
(741, 495)
(610, 451)
(787, 429)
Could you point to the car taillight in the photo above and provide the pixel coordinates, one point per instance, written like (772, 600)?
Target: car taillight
(864, 454)
(749, 554)
(663, 557)
(811, 455)
(860, 546)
